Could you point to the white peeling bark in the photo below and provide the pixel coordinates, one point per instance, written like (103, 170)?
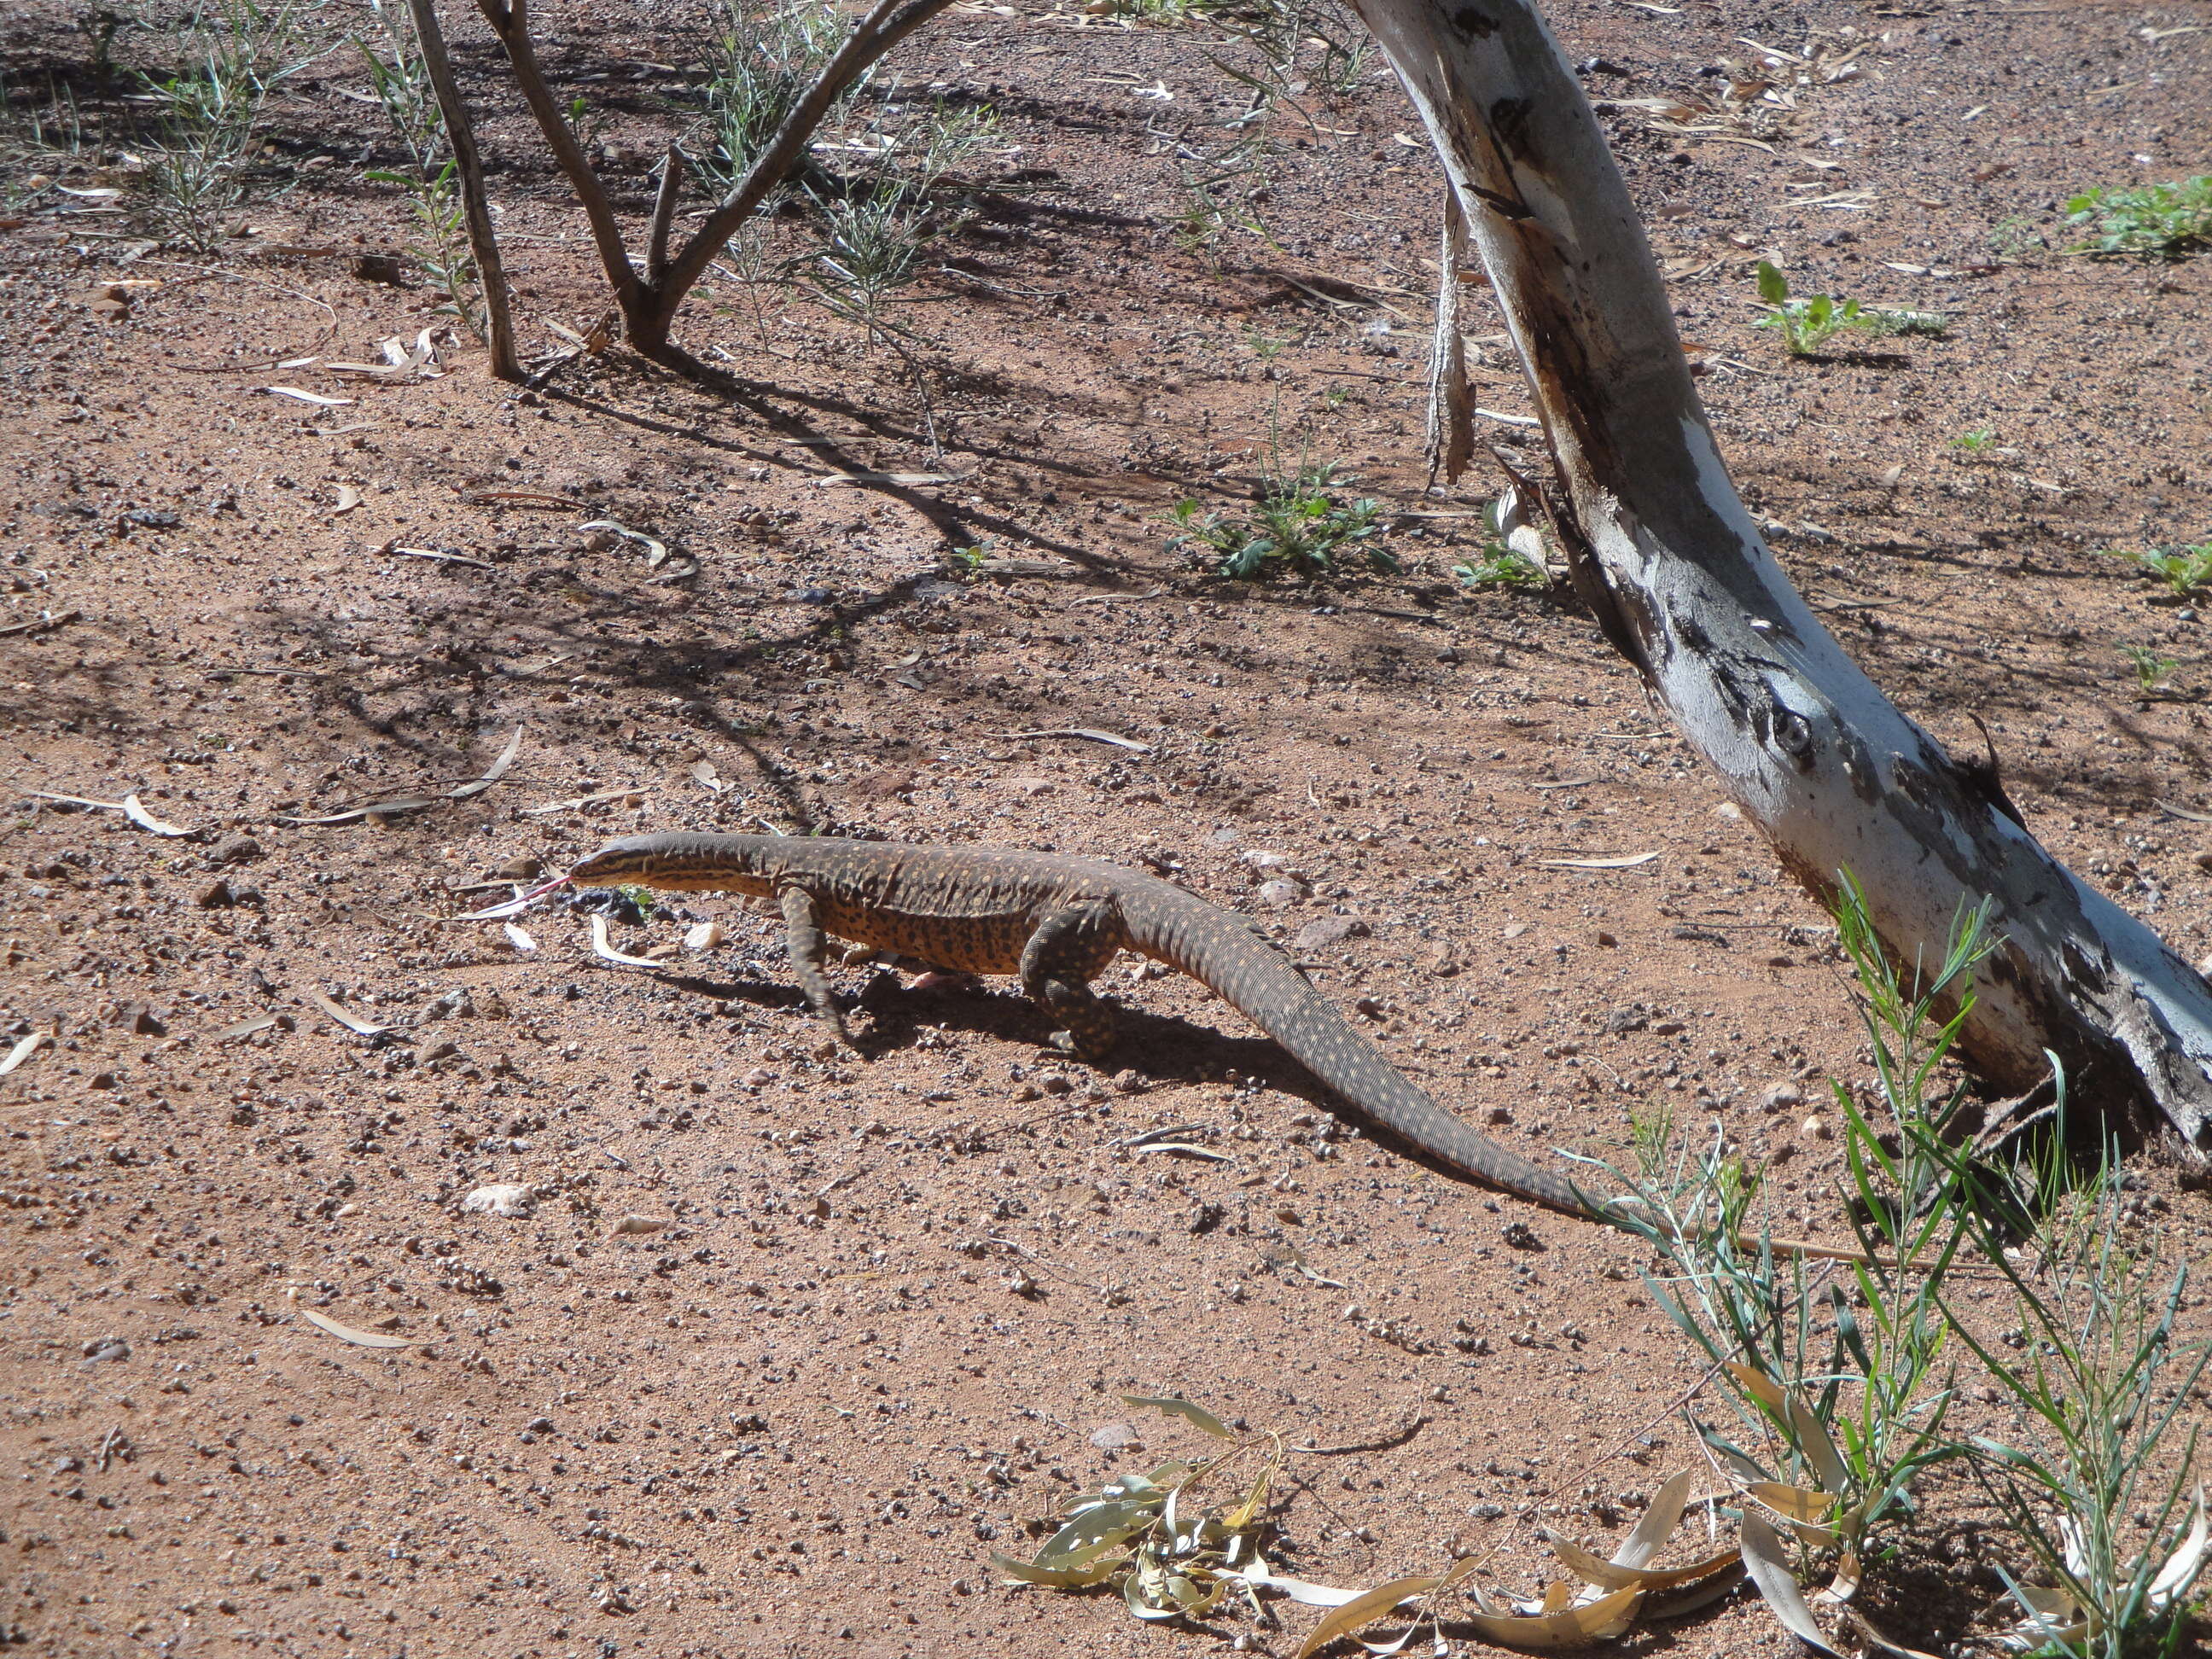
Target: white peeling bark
(1662, 549)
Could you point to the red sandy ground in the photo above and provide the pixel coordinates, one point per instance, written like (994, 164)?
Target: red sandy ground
(895, 1298)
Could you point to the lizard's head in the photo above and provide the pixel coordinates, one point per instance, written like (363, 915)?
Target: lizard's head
(663, 861)
(631, 861)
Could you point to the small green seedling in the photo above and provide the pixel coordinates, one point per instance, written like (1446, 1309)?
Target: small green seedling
(639, 899)
(2151, 669)
(1512, 556)
(1809, 324)
(2162, 221)
(1979, 441)
(1299, 524)
(1500, 565)
(2186, 570)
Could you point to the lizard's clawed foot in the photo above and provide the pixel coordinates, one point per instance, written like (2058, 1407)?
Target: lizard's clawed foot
(1071, 1043)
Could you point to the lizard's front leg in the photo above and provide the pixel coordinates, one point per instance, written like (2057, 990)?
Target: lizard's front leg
(806, 946)
(1070, 948)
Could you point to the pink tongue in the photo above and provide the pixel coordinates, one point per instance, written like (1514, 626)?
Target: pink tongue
(539, 892)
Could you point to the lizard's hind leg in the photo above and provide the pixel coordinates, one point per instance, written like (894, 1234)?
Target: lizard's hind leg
(1069, 949)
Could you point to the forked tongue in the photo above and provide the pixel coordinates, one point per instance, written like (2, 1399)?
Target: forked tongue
(515, 906)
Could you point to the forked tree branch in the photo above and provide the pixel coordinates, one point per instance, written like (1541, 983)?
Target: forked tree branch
(510, 22)
(886, 24)
(484, 238)
(1663, 549)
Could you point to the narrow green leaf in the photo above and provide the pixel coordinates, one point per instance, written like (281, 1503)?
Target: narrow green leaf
(1174, 1406)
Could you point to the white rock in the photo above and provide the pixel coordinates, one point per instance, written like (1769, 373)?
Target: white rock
(506, 1200)
(703, 936)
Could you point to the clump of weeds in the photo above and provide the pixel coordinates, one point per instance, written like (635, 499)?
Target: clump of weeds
(1807, 323)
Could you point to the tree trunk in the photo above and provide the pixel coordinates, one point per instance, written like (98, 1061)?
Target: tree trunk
(476, 210)
(1664, 551)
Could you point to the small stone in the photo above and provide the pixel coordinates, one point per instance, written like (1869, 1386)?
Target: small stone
(1280, 894)
(632, 1224)
(1322, 932)
(1782, 1097)
(234, 850)
(1053, 1083)
(1501, 1114)
(1130, 1081)
(1442, 963)
(1513, 930)
(759, 1078)
(521, 867)
(456, 1004)
(1031, 785)
(1116, 1437)
(1606, 941)
(215, 895)
(144, 1021)
(1817, 1127)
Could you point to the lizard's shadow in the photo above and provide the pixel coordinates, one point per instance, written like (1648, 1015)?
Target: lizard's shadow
(1162, 1048)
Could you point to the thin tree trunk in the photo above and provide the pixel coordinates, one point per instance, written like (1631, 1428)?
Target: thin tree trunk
(1662, 549)
(510, 22)
(483, 239)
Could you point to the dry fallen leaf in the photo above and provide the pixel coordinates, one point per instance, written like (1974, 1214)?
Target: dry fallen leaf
(350, 1021)
(492, 774)
(519, 938)
(1625, 861)
(244, 1028)
(603, 948)
(1365, 1609)
(1765, 1560)
(348, 499)
(145, 820)
(315, 397)
(347, 1333)
(24, 1050)
(379, 809)
(906, 479)
(1566, 1628)
(573, 802)
(655, 549)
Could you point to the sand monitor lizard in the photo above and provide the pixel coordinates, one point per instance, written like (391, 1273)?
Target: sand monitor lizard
(1055, 922)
